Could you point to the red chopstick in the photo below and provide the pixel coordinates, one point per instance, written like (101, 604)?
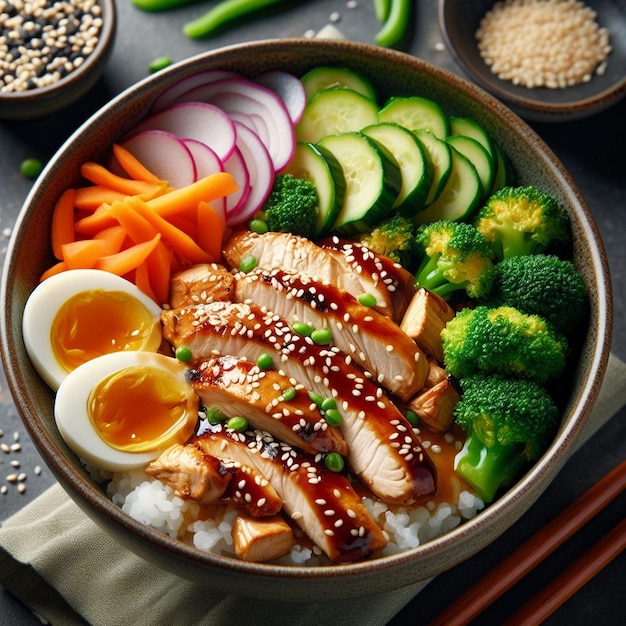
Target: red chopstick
(513, 568)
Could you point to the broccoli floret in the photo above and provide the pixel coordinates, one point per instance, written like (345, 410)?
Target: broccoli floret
(503, 341)
(456, 257)
(522, 220)
(291, 206)
(508, 422)
(394, 237)
(541, 284)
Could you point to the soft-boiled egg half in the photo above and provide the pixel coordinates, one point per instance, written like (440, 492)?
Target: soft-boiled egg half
(77, 315)
(119, 411)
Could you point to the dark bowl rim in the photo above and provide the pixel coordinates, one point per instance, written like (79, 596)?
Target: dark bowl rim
(91, 497)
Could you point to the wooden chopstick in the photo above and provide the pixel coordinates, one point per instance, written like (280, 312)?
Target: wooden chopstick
(514, 567)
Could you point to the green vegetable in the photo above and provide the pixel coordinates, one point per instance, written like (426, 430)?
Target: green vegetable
(322, 336)
(367, 299)
(396, 23)
(316, 399)
(541, 284)
(455, 257)
(333, 417)
(265, 361)
(334, 462)
(160, 5)
(328, 404)
(240, 424)
(159, 64)
(183, 354)
(522, 220)
(248, 263)
(258, 226)
(509, 422)
(214, 416)
(381, 9)
(412, 418)
(503, 340)
(31, 168)
(289, 394)
(394, 237)
(303, 329)
(291, 206)
(223, 13)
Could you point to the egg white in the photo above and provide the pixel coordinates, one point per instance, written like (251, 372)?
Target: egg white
(50, 295)
(72, 416)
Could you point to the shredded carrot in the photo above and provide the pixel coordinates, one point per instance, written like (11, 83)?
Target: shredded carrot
(132, 166)
(136, 226)
(100, 219)
(128, 259)
(100, 175)
(210, 230)
(63, 222)
(93, 197)
(83, 254)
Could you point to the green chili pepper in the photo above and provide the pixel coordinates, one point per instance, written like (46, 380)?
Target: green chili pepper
(160, 5)
(223, 13)
(394, 28)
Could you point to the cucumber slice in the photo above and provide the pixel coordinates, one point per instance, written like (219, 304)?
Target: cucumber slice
(415, 166)
(478, 156)
(373, 181)
(320, 166)
(471, 128)
(325, 77)
(503, 175)
(441, 160)
(460, 196)
(416, 113)
(335, 111)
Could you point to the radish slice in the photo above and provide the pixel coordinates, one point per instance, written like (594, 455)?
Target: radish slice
(172, 93)
(254, 122)
(164, 155)
(238, 95)
(289, 88)
(236, 167)
(205, 159)
(260, 170)
(196, 120)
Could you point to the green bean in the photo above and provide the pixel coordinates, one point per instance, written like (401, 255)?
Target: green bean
(160, 5)
(159, 64)
(395, 26)
(381, 9)
(223, 13)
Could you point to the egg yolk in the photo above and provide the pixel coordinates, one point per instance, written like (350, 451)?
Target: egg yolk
(141, 408)
(97, 322)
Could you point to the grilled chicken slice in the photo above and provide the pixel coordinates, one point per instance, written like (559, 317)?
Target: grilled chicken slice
(268, 400)
(382, 448)
(195, 475)
(203, 283)
(347, 265)
(261, 539)
(321, 502)
(373, 340)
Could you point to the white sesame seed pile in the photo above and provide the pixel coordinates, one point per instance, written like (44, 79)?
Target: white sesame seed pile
(16, 476)
(543, 43)
(41, 41)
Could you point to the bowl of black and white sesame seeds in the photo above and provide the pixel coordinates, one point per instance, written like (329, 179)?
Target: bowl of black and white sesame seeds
(51, 53)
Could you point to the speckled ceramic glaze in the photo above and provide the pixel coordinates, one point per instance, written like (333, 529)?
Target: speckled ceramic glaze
(39, 103)
(459, 19)
(392, 73)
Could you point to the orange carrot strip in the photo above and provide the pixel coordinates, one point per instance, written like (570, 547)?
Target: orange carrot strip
(186, 198)
(180, 241)
(132, 166)
(142, 280)
(100, 219)
(187, 225)
(92, 197)
(138, 227)
(210, 230)
(57, 268)
(100, 175)
(129, 259)
(160, 269)
(62, 229)
(112, 239)
(82, 254)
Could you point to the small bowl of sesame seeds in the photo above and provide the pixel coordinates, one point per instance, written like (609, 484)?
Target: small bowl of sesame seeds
(548, 60)
(51, 53)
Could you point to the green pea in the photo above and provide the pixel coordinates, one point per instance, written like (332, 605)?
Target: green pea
(329, 403)
(412, 418)
(367, 299)
(31, 168)
(259, 226)
(322, 336)
(214, 416)
(159, 64)
(183, 354)
(265, 361)
(314, 397)
(302, 329)
(289, 394)
(333, 417)
(248, 263)
(334, 462)
(238, 423)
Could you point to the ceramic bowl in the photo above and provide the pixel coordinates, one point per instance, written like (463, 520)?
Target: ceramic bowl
(392, 73)
(43, 101)
(458, 21)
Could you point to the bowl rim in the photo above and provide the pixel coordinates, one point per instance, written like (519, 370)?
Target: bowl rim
(90, 497)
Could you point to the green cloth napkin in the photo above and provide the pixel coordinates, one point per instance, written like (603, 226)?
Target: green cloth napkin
(67, 570)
